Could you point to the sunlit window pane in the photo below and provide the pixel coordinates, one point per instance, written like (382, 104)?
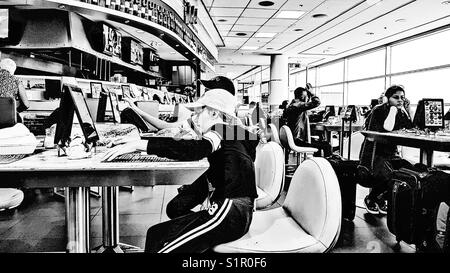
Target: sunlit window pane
(423, 52)
(332, 73)
(360, 93)
(367, 65)
(429, 84)
(331, 95)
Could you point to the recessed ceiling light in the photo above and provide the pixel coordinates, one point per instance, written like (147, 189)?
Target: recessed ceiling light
(269, 48)
(401, 20)
(249, 47)
(222, 66)
(265, 34)
(266, 3)
(221, 20)
(127, 21)
(290, 14)
(186, 53)
(241, 34)
(177, 45)
(319, 15)
(370, 33)
(298, 29)
(140, 31)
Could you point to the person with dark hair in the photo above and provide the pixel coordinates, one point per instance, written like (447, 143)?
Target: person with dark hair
(295, 117)
(385, 117)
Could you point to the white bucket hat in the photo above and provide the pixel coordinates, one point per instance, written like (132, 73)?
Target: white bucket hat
(218, 99)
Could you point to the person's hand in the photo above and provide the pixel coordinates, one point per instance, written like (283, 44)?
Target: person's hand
(125, 148)
(129, 100)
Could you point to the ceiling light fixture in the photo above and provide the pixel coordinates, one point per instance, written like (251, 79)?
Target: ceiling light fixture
(172, 52)
(290, 14)
(127, 21)
(445, 3)
(370, 33)
(265, 34)
(221, 20)
(140, 31)
(241, 34)
(298, 29)
(249, 47)
(269, 48)
(266, 3)
(401, 20)
(319, 15)
(61, 6)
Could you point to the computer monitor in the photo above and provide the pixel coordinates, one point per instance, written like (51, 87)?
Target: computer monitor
(96, 89)
(350, 113)
(114, 100)
(93, 107)
(429, 114)
(127, 92)
(53, 89)
(73, 101)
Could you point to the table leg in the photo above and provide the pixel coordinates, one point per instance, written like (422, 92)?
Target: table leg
(110, 222)
(426, 157)
(77, 219)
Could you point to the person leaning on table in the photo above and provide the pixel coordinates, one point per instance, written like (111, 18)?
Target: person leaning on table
(229, 182)
(386, 117)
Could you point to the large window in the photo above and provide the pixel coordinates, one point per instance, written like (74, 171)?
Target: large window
(428, 51)
(330, 73)
(366, 65)
(361, 92)
(331, 94)
(428, 84)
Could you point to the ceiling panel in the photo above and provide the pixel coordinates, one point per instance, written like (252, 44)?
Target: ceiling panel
(280, 22)
(224, 28)
(218, 20)
(267, 28)
(229, 3)
(251, 21)
(258, 13)
(245, 28)
(233, 34)
(225, 11)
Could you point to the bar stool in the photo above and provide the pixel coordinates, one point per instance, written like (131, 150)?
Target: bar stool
(287, 141)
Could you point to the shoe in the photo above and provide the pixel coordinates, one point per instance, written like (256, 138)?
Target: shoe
(371, 206)
(382, 206)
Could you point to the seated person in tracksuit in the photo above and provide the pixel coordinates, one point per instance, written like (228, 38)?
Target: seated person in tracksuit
(389, 116)
(229, 182)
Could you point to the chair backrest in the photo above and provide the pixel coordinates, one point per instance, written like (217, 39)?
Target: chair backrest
(284, 132)
(274, 136)
(314, 200)
(269, 172)
(355, 146)
(8, 114)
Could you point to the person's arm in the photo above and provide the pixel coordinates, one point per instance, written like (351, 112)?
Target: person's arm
(156, 122)
(389, 122)
(178, 149)
(303, 106)
(25, 104)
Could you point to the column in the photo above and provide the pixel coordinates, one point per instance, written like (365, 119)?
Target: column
(279, 84)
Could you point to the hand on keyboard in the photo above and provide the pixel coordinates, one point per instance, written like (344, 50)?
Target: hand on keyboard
(128, 147)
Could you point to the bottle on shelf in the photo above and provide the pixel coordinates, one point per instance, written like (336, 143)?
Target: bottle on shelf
(155, 14)
(136, 7)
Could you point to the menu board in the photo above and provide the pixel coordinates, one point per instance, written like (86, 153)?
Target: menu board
(434, 112)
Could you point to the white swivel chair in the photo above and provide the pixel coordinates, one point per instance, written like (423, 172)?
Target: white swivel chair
(309, 220)
(10, 198)
(273, 132)
(269, 174)
(287, 142)
(357, 140)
